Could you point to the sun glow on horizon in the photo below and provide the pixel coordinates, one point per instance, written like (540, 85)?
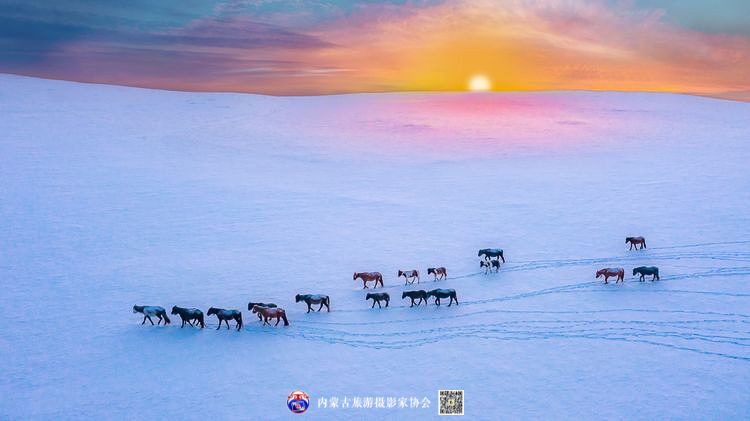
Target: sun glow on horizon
(479, 83)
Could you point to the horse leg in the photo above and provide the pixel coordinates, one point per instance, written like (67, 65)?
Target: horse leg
(309, 307)
(321, 305)
(386, 302)
(219, 325)
(149, 319)
(412, 303)
(144, 320)
(373, 303)
(278, 319)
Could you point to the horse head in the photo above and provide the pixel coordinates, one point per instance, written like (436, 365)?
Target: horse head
(599, 273)
(628, 239)
(369, 295)
(174, 309)
(400, 273)
(212, 310)
(354, 278)
(403, 295)
(298, 298)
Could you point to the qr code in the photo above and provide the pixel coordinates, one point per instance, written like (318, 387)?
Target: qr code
(451, 402)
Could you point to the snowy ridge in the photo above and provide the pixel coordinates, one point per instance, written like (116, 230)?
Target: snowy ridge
(112, 197)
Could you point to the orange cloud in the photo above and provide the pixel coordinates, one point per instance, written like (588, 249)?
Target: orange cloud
(524, 45)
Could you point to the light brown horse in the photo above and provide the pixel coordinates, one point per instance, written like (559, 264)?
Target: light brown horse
(277, 313)
(409, 274)
(441, 271)
(367, 277)
(636, 241)
(607, 272)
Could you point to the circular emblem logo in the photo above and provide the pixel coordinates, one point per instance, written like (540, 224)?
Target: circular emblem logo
(298, 401)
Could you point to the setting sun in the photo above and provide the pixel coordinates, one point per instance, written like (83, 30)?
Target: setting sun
(479, 83)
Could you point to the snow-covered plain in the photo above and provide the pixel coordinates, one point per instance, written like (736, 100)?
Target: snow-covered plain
(113, 196)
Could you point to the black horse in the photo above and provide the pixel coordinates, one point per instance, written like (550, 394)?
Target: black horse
(490, 253)
(492, 264)
(149, 311)
(647, 270)
(421, 294)
(267, 305)
(226, 315)
(443, 293)
(188, 315)
(311, 299)
(377, 297)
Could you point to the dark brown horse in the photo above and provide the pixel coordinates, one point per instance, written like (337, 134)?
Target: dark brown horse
(619, 273)
(441, 271)
(490, 253)
(368, 277)
(311, 299)
(271, 313)
(443, 293)
(377, 297)
(251, 304)
(409, 274)
(421, 294)
(225, 316)
(636, 241)
(188, 315)
(647, 270)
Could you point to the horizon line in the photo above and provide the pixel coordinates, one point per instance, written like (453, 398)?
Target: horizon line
(735, 96)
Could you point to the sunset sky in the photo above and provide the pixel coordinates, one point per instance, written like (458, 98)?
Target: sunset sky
(331, 46)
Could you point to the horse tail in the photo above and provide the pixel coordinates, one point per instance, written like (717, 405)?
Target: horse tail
(166, 318)
(657, 275)
(328, 302)
(283, 316)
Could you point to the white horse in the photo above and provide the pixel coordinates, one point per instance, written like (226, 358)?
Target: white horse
(149, 311)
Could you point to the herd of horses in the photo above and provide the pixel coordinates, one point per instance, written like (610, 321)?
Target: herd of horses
(492, 259)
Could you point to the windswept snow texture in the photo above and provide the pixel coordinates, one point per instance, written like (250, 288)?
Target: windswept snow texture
(111, 197)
